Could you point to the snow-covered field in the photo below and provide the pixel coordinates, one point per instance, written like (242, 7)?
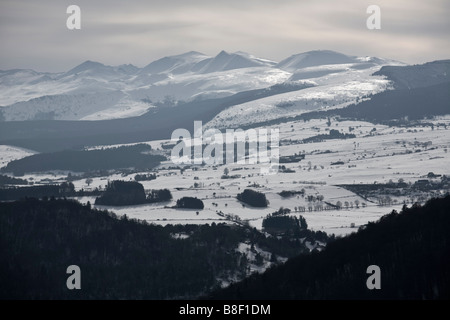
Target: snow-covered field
(377, 154)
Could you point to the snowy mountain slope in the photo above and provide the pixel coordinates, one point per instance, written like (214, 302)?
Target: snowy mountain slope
(59, 107)
(335, 87)
(96, 91)
(211, 85)
(123, 108)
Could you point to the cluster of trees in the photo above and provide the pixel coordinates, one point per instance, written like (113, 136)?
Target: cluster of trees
(119, 258)
(332, 134)
(126, 193)
(145, 177)
(190, 203)
(65, 189)
(281, 211)
(253, 198)
(283, 224)
(5, 180)
(291, 193)
(159, 195)
(411, 248)
(234, 176)
(292, 159)
(349, 204)
(122, 193)
(383, 201)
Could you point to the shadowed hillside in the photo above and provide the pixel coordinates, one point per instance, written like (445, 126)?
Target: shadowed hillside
(121, 258)
(411, 248)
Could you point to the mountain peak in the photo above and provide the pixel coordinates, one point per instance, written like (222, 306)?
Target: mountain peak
(91, 64)
(223, 53)
(228, 61)
(87, 65)
(191, 53)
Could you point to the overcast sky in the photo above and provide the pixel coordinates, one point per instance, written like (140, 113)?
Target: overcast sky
(34, 35)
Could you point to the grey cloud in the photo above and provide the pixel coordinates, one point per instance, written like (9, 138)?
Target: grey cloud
(34, 35)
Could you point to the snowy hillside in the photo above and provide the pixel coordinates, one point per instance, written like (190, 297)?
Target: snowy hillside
(94, 91)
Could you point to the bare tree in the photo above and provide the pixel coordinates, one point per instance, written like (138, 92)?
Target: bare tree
(88, 181)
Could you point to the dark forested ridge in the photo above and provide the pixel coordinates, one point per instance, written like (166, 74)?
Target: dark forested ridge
(412, 250)
(414, 104)
(119, 258)
(417, 76)
(384, 107)
(88, 160)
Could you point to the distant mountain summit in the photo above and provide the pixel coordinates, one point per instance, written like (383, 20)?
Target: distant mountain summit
(175, 64)
(197, 62)
(97, 69)
(87, 65)
(315, 58)
(229, 61)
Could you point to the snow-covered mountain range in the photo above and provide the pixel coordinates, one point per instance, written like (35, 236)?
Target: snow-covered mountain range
(94, 91)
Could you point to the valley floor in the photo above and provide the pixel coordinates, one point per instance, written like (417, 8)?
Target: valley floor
(378, 154)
